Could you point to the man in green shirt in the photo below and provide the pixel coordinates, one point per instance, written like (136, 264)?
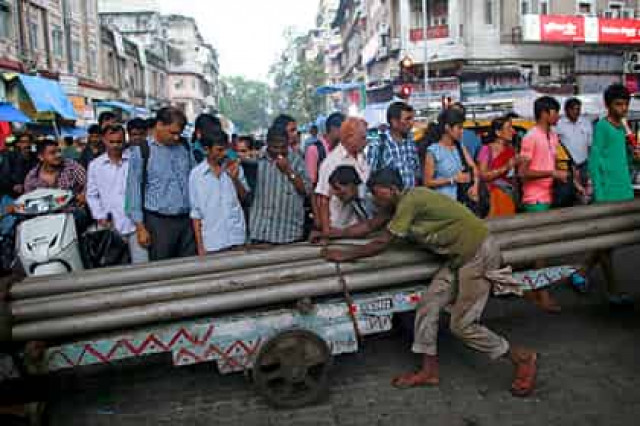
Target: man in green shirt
(609, 167)
(440, 225)
(608, 159)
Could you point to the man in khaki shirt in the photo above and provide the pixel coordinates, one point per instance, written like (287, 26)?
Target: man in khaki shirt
(440, 225)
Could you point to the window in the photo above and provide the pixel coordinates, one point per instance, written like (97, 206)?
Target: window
(586, 7)
(544, 70)
(544, 7)
(75, 51)
(5, 21)
(111, 65)
(93, 61)
(614, 10)
(526, 7)
(57, 40)
(34, 33)
(488, 12)
(91, 8)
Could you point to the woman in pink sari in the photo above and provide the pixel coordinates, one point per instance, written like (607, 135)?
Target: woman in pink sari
(497, 161)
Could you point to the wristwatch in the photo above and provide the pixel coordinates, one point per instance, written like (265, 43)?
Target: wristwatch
(292, 176)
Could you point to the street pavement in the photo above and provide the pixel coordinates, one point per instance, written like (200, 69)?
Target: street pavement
(588, 375)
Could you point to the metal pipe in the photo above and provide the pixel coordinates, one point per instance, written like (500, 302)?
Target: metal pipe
(554, 217)
(507, 239)
(567, 231)
(151, 284)
(130, 275)
(250, 298)
(83, 303)
(153, 272)
(209, 305)
(160, 263)
(524, 255)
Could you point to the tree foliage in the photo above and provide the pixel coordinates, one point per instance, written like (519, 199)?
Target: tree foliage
(246, 103)
(295, 80)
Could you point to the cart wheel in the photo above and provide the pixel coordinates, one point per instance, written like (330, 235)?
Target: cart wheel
(291, 369)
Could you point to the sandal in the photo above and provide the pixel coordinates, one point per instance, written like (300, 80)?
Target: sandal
(414, 380)
(525, 377)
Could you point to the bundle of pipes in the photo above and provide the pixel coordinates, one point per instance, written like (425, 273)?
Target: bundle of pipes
(89, 302)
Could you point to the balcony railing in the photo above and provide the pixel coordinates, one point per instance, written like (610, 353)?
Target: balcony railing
(440, 31)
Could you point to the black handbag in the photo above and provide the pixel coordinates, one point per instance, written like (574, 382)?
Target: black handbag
(481, 207)
(104, 247)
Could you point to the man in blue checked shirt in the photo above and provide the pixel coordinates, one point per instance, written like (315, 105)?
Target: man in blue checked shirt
(395, 148)
(157, 199)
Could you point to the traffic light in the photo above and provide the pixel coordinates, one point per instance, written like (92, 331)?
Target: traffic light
(405, 91)
(406, 70)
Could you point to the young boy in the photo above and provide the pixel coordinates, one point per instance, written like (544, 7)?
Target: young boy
(609, 169)
(539, 171)
(216, 187)
(539, 149)
(345, 186)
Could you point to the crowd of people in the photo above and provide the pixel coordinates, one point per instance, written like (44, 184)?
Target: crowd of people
(170, 197)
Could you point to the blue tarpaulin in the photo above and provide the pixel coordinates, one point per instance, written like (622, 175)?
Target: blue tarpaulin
(47, 96)
(128, 108)
(340, 87)
(123, 106)
(11, 114)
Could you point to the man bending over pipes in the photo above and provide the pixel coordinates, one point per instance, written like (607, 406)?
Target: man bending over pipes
(443, 226)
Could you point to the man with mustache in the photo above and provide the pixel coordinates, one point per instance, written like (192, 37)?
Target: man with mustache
(106, 188)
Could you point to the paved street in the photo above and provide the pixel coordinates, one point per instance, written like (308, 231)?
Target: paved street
(588, 376)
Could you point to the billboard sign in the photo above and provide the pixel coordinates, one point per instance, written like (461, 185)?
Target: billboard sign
(568, 29)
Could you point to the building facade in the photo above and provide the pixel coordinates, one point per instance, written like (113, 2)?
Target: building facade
(192, 78)
(474, 49)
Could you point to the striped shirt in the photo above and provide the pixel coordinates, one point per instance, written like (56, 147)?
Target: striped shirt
(277, 213)
(167, 191)
(402, 156)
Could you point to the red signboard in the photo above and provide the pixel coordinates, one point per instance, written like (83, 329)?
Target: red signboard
(441, 31)
(619, 31)
(562, 29)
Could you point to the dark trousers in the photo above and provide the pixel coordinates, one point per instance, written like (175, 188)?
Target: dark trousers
(171, 236)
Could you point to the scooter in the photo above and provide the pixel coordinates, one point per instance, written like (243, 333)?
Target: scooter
(47, 241)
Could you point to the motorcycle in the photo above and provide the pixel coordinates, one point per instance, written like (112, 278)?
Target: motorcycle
(47, 241)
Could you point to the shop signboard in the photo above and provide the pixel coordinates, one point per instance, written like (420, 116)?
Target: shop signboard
(568, 29)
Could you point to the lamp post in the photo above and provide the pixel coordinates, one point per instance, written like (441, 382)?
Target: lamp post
(425, 26)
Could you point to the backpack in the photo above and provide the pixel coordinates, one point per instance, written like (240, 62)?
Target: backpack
(322, 152)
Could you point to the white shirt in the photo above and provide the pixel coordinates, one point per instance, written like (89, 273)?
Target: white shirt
(576, 137)
(342, 215)
(214, 201)
(106, 187)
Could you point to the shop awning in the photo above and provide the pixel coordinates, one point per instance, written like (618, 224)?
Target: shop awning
(125, 107)
(11, 114)
(128, 108)
(341, 87)
(47, 96)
